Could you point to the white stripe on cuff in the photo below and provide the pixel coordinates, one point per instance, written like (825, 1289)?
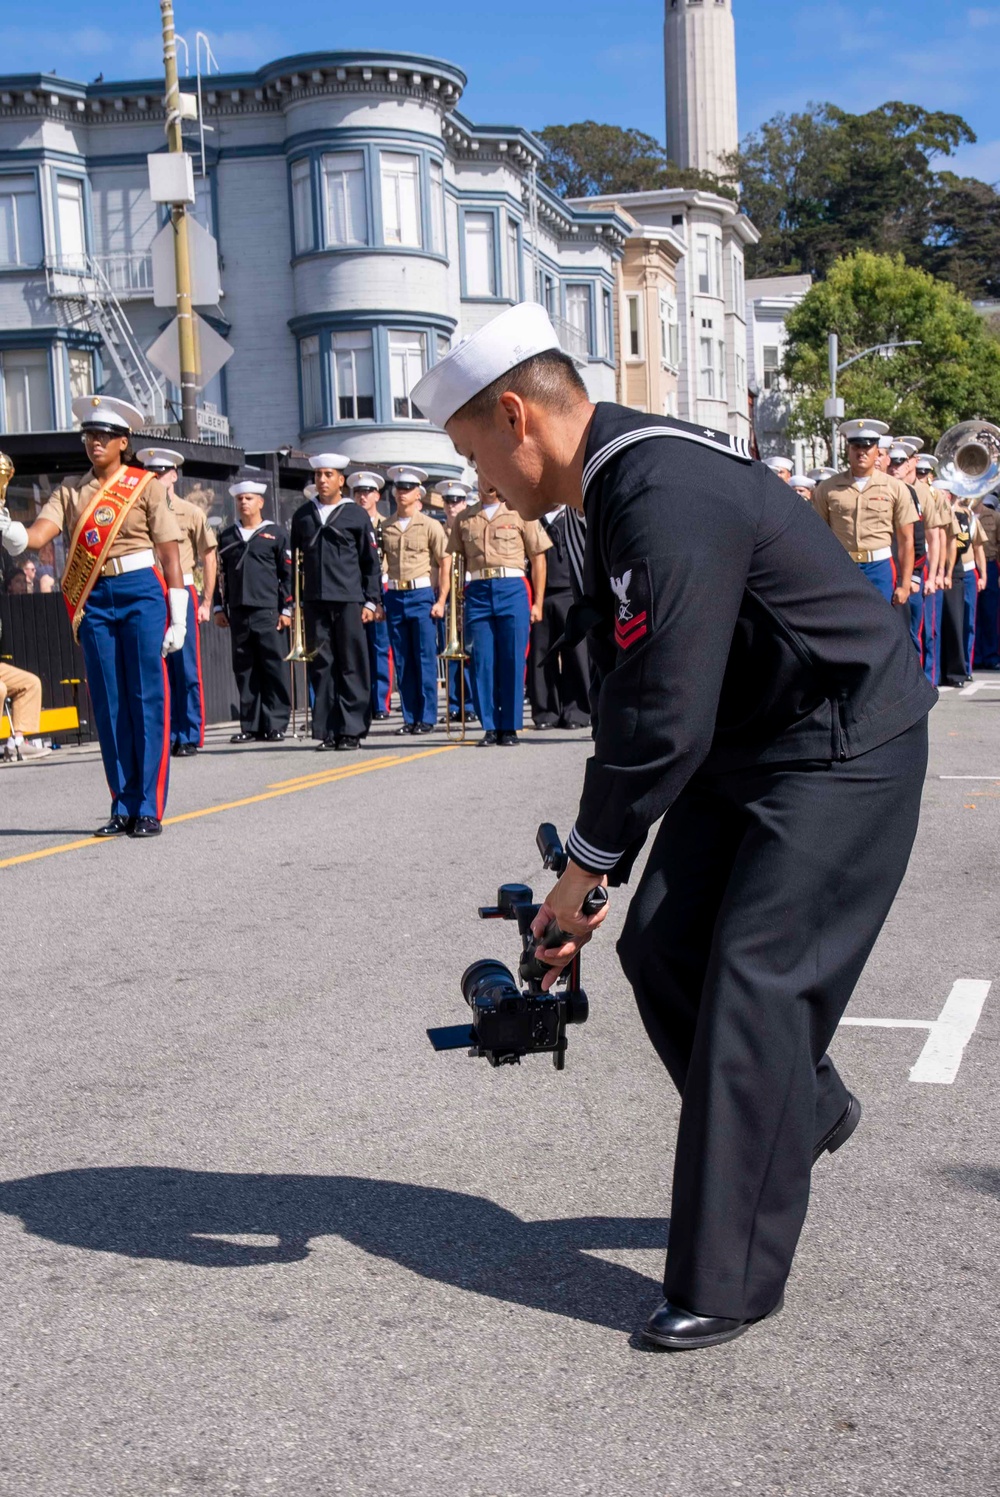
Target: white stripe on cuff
(599, 858)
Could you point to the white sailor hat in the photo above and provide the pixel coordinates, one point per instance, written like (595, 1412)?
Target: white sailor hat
(517, 334)
(406, 476)
(452, 490)
(102, 413)
(159, 459)
(819, 474)
(365, 481)
(335, 460)
(862, 429)
(779, 464)
(928, 461)
(247, 486)
(802, 481)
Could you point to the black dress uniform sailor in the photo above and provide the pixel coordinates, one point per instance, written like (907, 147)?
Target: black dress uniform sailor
(558, 675)
(253, 589)
(341, 578)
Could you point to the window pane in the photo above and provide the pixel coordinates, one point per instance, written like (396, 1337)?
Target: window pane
(702, 264)
(344, 186)
(634, 345)
(480, 268)
(437, 208)
(550, 294)
(81, 373)
(578, 310)
(770, 359)
(443, 344)
(312, 382)
(302, 206)
(717, 288)
(722, 371)
(354, 376)
(707, 368)
(27, 396)
(513, 261)
(401, 199)
(72, 241)
(407, 362)
(20, 224)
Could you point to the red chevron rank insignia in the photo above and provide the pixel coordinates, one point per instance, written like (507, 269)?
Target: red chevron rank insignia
(626, 635)
(633, 619)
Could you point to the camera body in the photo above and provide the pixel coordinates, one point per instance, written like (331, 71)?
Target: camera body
(513, 1017)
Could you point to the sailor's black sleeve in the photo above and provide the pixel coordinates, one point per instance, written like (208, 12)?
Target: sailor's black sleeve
(371, 571)
(678, 569)
(283, 567)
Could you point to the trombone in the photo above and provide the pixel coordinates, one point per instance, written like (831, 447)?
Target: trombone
(298, 651)
(454, 649)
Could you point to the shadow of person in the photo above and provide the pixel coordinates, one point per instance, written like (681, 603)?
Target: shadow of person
(466, 1241)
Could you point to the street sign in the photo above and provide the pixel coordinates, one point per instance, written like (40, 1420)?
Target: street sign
(833, 409)
(210, 420)
(214, 351)
(204, 251)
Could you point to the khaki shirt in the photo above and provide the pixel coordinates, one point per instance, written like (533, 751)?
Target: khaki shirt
(989, 519)
(934, 508)
(504, 541)
(150, 521)
(412, 552)
(197, 535)
(866, 519)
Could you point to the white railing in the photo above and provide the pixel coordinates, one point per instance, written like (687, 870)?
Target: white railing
(572, 340)
(129, 275)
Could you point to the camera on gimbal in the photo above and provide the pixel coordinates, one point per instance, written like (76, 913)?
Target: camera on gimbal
(512, 1017)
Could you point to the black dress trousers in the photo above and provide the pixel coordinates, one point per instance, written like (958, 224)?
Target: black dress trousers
(339, 672)
(260, 669)
(558, 686)
(762, 898)
(954, 666)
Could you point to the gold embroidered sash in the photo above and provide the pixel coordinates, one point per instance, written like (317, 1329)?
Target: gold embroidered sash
(95, 534)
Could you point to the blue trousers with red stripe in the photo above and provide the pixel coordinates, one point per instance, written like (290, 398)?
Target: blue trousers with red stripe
(497, 629)
(187, 698)
(882, 574)
(122, 634)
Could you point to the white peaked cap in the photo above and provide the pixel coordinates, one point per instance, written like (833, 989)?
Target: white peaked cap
(886, 442)
(899, 452)
(779, 464)
(246, 486)
(159, 459)
(818, 474)
(861, 429)
(103, 411)
(926, 460)
(406, 475)
(914, 443)
(453, 489)
(335, 460)
(366, 481)
(517, 334)
(802, 481)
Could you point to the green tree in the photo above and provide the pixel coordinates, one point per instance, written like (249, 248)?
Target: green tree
(588, 158)
(821, 184)
(866, 299)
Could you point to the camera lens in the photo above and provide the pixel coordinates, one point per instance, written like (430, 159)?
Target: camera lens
(488, 977)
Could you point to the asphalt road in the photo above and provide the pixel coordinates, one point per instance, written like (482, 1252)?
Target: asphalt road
(256, 1237)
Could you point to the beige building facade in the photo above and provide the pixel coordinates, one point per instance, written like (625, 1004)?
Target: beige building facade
(649, 335)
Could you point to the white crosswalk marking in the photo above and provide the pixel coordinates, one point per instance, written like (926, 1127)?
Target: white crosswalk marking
(949, 1034)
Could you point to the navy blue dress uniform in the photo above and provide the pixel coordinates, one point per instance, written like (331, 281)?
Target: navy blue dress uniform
(413, 546)
(253, 590)
(495, 543)
(558, 673)
(126, 618)
(366, 487)
(341, 578)
(187, 691)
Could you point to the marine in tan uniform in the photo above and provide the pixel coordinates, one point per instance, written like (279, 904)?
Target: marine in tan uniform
(198, 543)
(940, 529)
(495, 544)
(866, 509)
(413, 547)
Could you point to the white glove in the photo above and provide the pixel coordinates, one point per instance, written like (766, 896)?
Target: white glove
(12, 534)
(177, 628)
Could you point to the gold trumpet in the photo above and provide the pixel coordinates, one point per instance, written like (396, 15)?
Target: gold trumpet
(455, 646)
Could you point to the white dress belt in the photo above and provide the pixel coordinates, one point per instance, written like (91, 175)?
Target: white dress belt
(188, 579)
(493, 572)
(882, 554)
(407, 587)
(134, 562)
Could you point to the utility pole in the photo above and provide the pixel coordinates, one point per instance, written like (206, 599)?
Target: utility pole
(187, 338)
(836, 406)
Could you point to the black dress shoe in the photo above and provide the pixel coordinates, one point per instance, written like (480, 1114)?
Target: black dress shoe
(185, 750)
(675, 1329)
(841, 1130)
(381, 717)
(115, 826)
(455, 717)
(508, 739)
(543, 727)
(274, 736)
(405, 730)
(345, 744)
(419, 728)
(488, 739)
(243, 738)
(326, 746)
(145, 826)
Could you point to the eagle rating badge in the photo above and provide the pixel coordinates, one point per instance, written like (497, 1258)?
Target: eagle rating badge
(634, 595)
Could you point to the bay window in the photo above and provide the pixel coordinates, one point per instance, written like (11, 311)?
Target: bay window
(435, 172)
(27, 390)
(578, 312)
(513, 261)
(401, 199)
(480, 254)
(353, 377)
(312, 382)
(72, 232)
(407, 365)
(344, 198)
(20, 222)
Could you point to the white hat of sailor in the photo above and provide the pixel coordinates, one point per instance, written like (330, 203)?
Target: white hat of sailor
(862, 429)
(334, 460)
(102, 413)
(453, 490)
(364, 480)
(802, 481)
(475, 362)
(406, 476)
(247, 486)
(926, 462)
(160, 459)
(779, 464)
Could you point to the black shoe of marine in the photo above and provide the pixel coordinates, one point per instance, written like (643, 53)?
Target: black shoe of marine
(273, 736)
(346, 743)
(326, 745)
(542, 727)
(405, 730)
(185, 750)
(419, 728)
(488, 739)
(115, 826)
(145, 826)
(674, 1329)
(243, 738)
(508, 739)
(456, 717)
(841, 1130)
(381, 717)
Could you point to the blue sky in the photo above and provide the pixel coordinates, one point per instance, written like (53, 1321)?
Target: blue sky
(538, 62)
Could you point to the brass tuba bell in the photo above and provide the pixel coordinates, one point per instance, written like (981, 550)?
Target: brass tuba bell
(969, 459)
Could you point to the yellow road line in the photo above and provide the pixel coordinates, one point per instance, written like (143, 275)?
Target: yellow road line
(332, 767)
(347, 773)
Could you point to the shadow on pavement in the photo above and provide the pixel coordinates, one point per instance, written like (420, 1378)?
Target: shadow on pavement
(983, 1178)
(466, 1241)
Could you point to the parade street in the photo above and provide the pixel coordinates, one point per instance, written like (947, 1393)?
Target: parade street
(257, 1237)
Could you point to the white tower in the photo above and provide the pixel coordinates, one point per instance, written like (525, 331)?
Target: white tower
(700, 61)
